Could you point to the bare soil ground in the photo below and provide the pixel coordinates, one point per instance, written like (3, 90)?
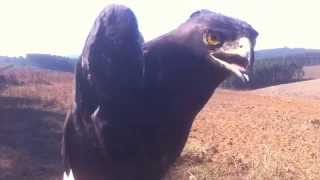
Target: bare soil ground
(242, 135)
(238, 135)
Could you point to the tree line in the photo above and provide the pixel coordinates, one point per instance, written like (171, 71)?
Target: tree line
(275, 70)
(268, 69)
(43, 61)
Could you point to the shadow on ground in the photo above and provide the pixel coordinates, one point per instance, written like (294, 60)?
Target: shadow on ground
(29, 140)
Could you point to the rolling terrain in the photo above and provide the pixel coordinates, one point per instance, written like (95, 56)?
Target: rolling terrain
(261, 134)
(308, 90)
(312, 72)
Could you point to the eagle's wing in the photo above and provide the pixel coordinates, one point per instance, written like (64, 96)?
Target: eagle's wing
(112, 56)
(109, 71)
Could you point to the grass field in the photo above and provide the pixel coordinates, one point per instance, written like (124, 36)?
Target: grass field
(238, 135)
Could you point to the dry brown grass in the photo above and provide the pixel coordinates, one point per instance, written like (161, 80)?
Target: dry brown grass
(238, 135)
(51, 88)
(32, 112)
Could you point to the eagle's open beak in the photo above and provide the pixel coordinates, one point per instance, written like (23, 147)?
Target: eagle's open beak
(235, 57)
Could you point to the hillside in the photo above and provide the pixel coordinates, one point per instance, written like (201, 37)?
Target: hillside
(238, 135)
(279, 66)
(282, 52)
(66, 63)
(33, 104)
(304, 89)
(40, 61)
(312, 72)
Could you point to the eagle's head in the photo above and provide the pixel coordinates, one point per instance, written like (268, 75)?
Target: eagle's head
(225, 42)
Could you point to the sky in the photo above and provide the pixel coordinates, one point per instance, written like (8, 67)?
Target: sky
(60, 27)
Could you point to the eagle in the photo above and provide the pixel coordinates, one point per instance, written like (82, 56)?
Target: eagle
(135, 101)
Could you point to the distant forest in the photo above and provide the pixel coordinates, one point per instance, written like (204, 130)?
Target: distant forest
(279, 67)
(271, 67)
(43, 61)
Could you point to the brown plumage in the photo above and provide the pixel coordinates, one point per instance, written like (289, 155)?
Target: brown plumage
(135, 102)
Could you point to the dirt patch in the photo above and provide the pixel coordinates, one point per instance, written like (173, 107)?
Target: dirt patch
(241, 135)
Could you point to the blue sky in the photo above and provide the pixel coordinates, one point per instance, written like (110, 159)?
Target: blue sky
(61, 26)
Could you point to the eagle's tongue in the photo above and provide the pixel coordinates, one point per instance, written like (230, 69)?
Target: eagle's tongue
(241, 72)
(236, 69)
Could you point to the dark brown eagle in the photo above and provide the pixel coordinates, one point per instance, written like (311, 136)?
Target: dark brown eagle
(135, 102)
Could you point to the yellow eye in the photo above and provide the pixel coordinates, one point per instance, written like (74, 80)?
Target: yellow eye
(209, 39)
